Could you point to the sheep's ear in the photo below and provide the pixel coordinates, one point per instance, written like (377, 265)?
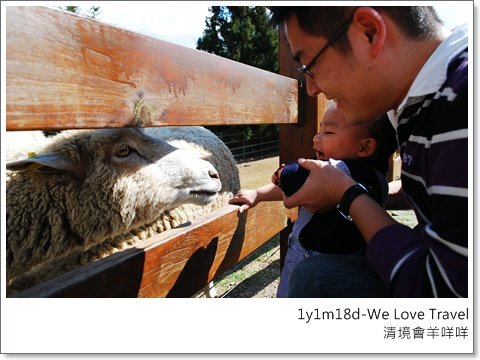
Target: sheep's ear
(48, 161)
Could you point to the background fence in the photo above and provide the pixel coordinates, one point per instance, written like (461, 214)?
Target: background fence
(253, 148)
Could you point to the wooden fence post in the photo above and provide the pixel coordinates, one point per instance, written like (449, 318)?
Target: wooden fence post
(295, 140)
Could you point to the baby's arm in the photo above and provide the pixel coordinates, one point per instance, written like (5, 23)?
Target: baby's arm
(249, 198)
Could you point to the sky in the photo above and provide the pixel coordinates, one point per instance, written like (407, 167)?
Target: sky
(182, 22)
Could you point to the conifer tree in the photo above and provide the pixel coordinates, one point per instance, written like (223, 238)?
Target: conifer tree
(243, 34)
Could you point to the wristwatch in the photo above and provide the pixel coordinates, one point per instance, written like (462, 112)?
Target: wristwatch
(351, 194)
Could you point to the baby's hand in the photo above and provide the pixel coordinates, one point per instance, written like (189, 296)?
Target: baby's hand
(276, 175)
(245, 198)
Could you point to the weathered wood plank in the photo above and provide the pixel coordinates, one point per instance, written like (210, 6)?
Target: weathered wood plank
(65, 71)
(176, 263)
(394, 167)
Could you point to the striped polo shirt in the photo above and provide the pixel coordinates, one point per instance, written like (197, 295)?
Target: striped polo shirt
(432, 131)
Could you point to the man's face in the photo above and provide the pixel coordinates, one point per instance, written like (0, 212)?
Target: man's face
(343, 78)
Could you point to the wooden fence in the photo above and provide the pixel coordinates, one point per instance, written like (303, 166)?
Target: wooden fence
(64, 71)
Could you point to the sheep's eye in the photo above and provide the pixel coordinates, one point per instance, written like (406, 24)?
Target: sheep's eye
(123, 151)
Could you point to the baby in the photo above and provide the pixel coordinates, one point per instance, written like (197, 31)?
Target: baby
(364, 151)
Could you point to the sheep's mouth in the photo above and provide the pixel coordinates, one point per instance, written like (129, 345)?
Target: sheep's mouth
(205, 193)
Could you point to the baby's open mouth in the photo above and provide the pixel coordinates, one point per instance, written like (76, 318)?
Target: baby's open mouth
(320, 155)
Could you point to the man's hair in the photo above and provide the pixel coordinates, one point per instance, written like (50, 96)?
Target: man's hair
(385, 135)
(416, 22)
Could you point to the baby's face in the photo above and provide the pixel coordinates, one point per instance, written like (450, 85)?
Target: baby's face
(336, 139)
(317, 147)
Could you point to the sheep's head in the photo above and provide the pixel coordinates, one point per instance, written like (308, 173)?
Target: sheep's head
(124, 178)
(153, 169)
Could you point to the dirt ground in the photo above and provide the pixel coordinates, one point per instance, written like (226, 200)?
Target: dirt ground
(257, 275)
(257, 173)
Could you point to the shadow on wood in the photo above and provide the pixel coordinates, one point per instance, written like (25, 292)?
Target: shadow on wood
(195, 274)
(119, 276)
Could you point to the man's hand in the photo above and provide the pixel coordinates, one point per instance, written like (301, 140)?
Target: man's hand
(323, 188)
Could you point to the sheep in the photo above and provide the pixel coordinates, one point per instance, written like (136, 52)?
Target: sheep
(89, 193)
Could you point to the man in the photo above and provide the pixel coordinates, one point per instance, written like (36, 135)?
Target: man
(373, 60)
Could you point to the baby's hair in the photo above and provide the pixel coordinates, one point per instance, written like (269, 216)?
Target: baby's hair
(384, 134)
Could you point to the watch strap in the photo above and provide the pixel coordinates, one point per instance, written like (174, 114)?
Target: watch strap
(349, 195)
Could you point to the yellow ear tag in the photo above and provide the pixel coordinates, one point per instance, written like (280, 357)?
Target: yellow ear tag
(33, 166)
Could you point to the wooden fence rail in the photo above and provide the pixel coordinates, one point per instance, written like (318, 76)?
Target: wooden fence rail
(66, 71)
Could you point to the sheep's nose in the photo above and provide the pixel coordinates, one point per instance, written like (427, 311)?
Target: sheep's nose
(213, 174)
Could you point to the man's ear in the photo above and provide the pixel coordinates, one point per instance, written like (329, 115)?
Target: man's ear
(371, 28)
(367, 147)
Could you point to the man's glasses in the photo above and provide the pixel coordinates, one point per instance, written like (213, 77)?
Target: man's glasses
(305, 69)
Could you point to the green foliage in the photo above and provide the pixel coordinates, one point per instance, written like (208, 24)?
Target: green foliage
(243, 34)
(49, 133)
(92, 12)
(73, 9)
